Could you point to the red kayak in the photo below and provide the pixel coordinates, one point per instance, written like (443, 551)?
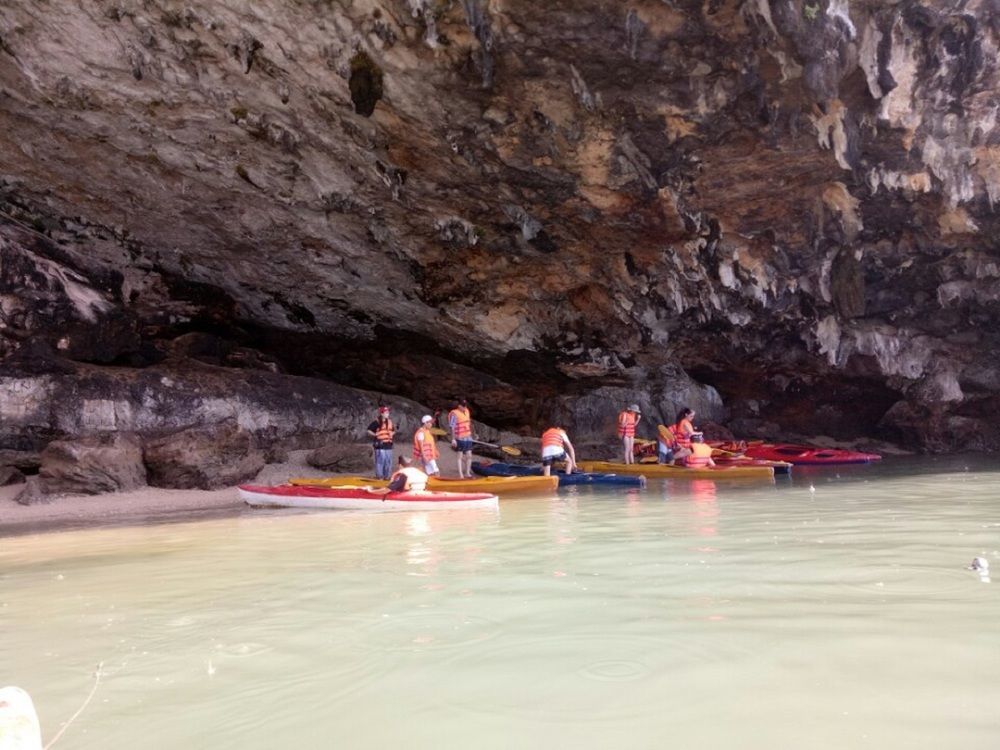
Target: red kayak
(355, 498)
(807, 454)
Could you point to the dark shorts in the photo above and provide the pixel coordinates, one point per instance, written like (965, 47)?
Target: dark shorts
(549, 460)
(464, 445)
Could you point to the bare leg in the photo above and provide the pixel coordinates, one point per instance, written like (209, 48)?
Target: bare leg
(545, 470)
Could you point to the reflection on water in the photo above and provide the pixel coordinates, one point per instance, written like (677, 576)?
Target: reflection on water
(831, 609)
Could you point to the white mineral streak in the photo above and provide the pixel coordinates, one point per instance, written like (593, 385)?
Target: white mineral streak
(831, 133)
(838, 199)
(26, 400)
(790, 69)
(868, 54)
(897, 351)
(898, 105)
(838, 10)
(828, 338)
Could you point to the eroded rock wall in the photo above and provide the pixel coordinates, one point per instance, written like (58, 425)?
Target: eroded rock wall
(793, 201)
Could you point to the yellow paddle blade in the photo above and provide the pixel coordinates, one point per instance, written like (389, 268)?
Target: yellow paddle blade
(510, 450)
(649, 460)
(643, 441)
(438, 431)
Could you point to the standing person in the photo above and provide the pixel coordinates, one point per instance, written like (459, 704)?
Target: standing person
(460, 424)
(557, 447)
(627, 421)
(382, 431)
(407, 477)
(701, 454)
(425, 446)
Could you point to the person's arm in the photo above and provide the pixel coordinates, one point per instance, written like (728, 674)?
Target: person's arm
(569, 447)
(452, 426)
(398, 482)
(371, 431)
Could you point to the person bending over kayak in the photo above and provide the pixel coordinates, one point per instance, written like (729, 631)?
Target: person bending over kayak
(407, 477)
(381, 431)
(627, 421)
(425, 446)
(701, 454)
(666, 444)
(460, 424)
(557, 447)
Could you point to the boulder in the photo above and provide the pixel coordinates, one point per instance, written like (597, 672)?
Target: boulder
(204, 458)
(10, 475)
(88, 466)
(29, 461)
(342, 457)
(32, 492)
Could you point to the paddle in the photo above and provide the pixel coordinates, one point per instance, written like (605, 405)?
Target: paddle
(510, 450)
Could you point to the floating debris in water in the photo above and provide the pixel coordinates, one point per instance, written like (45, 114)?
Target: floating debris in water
(982, 566)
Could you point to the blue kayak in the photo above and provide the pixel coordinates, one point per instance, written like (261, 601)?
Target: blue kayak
(497, 469)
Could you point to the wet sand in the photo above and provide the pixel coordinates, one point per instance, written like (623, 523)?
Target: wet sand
(151, 505)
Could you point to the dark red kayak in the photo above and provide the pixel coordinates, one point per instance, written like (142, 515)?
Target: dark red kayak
(807, 454)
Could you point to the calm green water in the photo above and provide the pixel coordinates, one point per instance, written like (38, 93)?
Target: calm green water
(687, 615)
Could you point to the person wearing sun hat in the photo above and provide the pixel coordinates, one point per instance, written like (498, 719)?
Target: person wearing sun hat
(382, 431)
(627, 421)
(425, 446)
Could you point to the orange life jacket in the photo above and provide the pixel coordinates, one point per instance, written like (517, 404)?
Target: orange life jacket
(701, 454)
(461, 422)
(626, 424)
(552, 436)
(682, 431)
(424, 445)
(385, 431)
(665, 436)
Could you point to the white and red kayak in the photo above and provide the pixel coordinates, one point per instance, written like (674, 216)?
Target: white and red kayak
(360, 498)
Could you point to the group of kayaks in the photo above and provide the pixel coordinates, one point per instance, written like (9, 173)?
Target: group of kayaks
(733, 461)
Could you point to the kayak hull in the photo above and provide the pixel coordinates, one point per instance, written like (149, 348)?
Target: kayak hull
(360, 498)
(494, 485)
(667, 471)
(780, 467)
(807, 455)
(499, 469)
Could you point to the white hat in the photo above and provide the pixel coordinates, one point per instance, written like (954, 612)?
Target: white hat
(426, 418)
(635, 408)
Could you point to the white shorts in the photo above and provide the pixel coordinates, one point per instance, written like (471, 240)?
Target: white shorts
(431, 467)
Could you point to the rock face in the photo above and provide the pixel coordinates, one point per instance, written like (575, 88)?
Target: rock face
(204, 458)
(793, 201)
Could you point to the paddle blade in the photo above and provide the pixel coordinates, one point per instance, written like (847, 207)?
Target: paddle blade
(510, 450)
(438, 431)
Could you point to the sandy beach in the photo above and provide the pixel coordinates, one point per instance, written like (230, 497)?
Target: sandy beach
(152, 504)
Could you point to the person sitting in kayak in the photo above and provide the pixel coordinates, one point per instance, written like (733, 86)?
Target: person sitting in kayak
(683, 430)
(666, 444)
(627, 421)
(701, 454)
(425, 446)
(557, 447)
(407, 477)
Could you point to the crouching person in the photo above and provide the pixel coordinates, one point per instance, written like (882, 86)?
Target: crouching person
(407, 477)
(557, 447)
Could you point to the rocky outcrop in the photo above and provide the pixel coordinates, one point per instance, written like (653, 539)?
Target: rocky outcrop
(342, 457)
(206, 458)
(793, 201)
(87, 466)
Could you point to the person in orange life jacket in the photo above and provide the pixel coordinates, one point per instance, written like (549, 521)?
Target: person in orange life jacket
(701, 454)
(425, 446)
(381, 432)
(407, 477)
(460, 424)
(666, 444)
(683, 430)
(627, 421)
(557, 447)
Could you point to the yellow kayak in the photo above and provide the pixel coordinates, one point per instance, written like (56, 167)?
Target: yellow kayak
(666, 471)
(494, 485)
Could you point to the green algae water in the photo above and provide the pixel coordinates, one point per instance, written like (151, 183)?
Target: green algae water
(830, 610)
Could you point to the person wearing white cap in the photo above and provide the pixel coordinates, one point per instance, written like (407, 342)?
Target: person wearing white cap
(425, 446)
(381, 432)
(627, 421)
